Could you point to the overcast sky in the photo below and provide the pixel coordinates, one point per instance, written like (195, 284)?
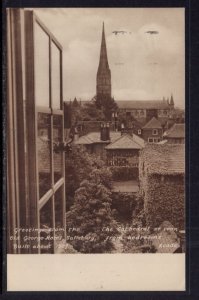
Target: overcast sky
(143, 66)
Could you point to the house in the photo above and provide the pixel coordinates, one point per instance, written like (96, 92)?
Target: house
(124, 151)
(152, 132)
(176, 134)
(95, 142)
(162, 175)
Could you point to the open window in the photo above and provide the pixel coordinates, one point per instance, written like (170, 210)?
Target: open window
(36, 191)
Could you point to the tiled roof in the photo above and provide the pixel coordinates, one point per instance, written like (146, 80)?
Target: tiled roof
(164, 159)
(176, 131)
(153, 123)
(94, 137)
(127, 142)
(142, 104)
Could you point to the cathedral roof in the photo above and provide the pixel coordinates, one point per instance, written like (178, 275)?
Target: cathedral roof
(153, 123)
(127, 142)
(142, 104)
(176, 131)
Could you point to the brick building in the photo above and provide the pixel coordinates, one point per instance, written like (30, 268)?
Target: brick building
(152, 132)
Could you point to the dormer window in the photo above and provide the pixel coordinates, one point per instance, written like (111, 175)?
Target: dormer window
(155, 132)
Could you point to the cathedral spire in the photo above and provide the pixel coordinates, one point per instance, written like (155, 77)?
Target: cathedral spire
(103, 72)
(103, 63)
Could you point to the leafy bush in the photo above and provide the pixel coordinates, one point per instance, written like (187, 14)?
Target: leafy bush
(78, 166)
(91, 212)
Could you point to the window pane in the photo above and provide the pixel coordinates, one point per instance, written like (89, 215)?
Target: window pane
(57, 151)
(59, 213)
(46, 227)
(44, 153)
(55, 82)
(41, 67)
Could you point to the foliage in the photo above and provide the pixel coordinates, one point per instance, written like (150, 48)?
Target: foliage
(124, 204)
(107, 104)
(89, 214)
(91, 113)
(78, 165)
(133, 241)
(165, 201)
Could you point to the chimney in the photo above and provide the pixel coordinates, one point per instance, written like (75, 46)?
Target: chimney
(76, 134)
(126, 130)
(105, 132)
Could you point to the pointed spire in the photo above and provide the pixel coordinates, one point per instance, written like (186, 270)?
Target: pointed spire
(103, 87)
(171, 100)
(103, 63)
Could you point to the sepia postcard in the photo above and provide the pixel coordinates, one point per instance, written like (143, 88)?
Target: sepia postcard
(96, 149)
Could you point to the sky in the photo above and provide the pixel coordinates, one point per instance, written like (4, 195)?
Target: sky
(143, 66)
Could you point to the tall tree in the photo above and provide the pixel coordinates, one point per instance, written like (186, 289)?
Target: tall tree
(91, 213)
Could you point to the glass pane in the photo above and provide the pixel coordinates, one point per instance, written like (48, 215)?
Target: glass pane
(59, 214)
(41, 67)
(57, 151)
(46, 228)
(43, 148)
(55, 82)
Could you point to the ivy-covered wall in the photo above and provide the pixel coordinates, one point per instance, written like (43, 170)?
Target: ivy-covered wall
(164, 200)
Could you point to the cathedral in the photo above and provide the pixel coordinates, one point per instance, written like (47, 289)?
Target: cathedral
(103, 88)
(142, 111)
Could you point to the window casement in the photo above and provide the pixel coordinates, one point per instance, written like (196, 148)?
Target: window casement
(45, 115)
(150, 140)
(154, 131)
(139, 131)
(37, 202)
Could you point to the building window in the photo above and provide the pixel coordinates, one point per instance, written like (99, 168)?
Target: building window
(156, 140)
(153, 140)
(139, 131)
(141, 113)
(155, 132)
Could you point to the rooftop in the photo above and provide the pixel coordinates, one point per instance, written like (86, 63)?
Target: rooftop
(142, 104)
(127, 141)
(94, 137)
(167, 159)
(176, 131)
(153, 123)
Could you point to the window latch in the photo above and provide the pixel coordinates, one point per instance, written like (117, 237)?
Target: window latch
(62, 146)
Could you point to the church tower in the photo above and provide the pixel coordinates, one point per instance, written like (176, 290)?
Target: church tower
(103, 87)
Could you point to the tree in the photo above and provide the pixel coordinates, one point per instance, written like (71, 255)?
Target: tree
(91, 213)
(78, 165)
(90, 112)
(107, 104)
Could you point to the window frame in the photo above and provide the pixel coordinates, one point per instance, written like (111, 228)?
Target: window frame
(155, 131)
(37, 203)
